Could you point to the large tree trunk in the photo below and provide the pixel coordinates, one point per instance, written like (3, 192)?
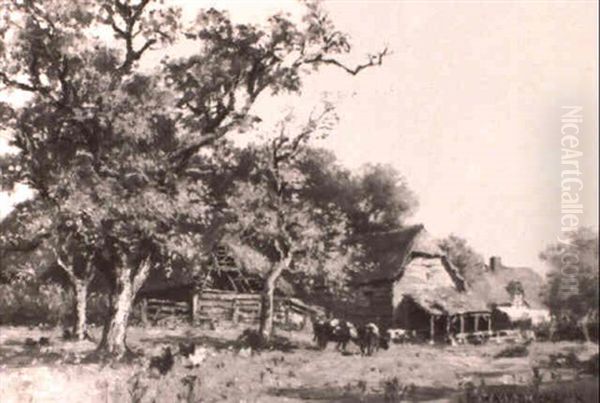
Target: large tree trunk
(81, 291)
(125, 289)
(584, 324)
(80, 284)
(266, 313)
(266, 308)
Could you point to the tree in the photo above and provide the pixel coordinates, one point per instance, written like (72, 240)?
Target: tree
(270, 214)
(376, 198)
(469, 263)
(515, 288)
(68, 245)
(572, 284)
(105, 139)
(384, 199)
(571, 291)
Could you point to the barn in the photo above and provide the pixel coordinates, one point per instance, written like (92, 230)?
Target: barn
(227, 291)
(415, 286)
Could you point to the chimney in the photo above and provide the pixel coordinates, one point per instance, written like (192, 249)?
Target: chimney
(495, 263)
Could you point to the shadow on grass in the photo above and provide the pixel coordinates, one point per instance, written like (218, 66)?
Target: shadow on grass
(277, 343)
(352, 394)
(29, 356)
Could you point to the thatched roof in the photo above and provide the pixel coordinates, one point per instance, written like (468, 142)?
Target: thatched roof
(392, 250)
(492, 285)
(244, 266)
(447, 301)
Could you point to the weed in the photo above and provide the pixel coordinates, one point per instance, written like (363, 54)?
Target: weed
(393, 390)
(136, 387)
(189, 383)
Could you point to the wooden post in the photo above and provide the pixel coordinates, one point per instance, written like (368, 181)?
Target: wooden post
(235, 312)
(448, 324)
(144, 311)
(286, 308)
(476, 322)
(194, 307)
(432, 328)
(462, 323)
(489, 318)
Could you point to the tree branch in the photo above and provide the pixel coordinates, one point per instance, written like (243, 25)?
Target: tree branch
(374, 60)
(66, 268)
(141, 275)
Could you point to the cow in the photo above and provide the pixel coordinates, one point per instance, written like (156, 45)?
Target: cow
(400, 335)
(335, 330)
(369, 340)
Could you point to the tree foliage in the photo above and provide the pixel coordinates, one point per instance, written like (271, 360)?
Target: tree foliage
(270, 213)
(579, 249)
(110, 144)
(514, 287)
(469, 263)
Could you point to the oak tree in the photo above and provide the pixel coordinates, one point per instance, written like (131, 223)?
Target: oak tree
(105, 137)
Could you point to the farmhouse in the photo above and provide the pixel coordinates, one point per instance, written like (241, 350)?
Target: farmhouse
(508, 310)
(416, 287)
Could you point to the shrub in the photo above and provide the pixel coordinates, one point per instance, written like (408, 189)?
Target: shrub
(393, 390)
(252, 338)
(513, 351)
(30, 303)
(574, 391)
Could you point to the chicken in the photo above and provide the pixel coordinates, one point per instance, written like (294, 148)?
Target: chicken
(164, 362)
(186, 349)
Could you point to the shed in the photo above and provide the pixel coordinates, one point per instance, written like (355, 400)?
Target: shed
(226, 290)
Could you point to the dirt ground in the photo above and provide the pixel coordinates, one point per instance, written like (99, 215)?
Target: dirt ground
(59, 372)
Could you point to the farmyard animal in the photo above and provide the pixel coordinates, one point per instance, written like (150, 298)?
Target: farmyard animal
(336, 330)
(369, 339)
(400, 335)
(163, 362)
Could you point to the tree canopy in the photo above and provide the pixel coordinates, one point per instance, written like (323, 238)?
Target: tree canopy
(114, 147)
(469, 263)
(579, 250)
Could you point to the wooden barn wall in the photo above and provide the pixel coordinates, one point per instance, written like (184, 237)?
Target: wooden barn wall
(373, 304)
(221, 306)
(245, 308)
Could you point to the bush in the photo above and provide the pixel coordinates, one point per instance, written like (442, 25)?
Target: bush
(513, 351)
(543, 331)
(30, 303)
(393, 390)
(573, 391)
(252, 338)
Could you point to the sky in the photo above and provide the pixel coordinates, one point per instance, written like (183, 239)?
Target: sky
(467, 108)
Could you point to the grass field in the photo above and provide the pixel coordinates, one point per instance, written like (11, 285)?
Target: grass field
(59, 372)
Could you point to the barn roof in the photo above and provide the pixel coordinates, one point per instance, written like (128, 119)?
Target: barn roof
(230, 259)
(447, 301)
(492, 286)
(392, 250)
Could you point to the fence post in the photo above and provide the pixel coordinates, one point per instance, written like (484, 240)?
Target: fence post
(144, 311)
(235, 312)
(194, 307)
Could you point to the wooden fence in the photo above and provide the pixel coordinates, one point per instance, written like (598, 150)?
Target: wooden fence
(215, 306)
(155, 310)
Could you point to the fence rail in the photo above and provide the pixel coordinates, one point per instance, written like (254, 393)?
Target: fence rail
(216, 306)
